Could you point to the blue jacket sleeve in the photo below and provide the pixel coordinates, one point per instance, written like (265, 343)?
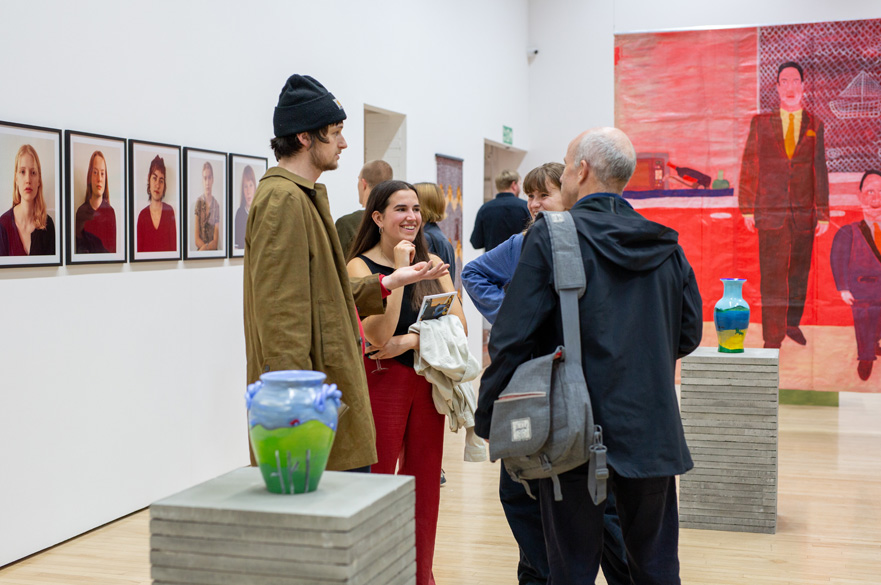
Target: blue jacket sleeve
(486, 277)
(530, 299)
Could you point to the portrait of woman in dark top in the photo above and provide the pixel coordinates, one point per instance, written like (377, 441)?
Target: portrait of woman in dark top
(95, 218)
(249, 187)
(157, 227)
(27, 229)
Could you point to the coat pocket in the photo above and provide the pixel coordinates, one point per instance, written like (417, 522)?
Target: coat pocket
(332, 329)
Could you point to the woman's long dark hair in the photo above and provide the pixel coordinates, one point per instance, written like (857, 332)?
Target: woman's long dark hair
(368, 236)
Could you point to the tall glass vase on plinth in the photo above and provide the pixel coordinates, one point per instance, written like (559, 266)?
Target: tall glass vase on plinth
(731, 316)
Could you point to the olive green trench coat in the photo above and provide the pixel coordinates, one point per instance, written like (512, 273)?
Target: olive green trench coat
(299, 310)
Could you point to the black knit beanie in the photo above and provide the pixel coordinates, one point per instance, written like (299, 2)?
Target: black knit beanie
(304, 104)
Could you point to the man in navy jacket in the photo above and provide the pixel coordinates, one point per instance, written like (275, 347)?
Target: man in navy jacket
(640, 312)
(504, 216)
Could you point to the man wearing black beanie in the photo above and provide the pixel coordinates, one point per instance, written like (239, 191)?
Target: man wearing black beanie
(299, 308)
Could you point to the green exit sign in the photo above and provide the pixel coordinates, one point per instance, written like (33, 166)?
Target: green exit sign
(507, 135)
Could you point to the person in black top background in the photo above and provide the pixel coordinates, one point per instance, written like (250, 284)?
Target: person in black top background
(504, 216)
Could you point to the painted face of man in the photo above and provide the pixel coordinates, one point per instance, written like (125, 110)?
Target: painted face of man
(870, 196)
(790, 88)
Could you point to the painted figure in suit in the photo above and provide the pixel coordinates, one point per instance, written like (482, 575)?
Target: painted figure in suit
(856, 267)
(784, 195)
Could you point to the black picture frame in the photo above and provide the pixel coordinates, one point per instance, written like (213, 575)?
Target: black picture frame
(238, 214)
(196, 162)
(46, 144)
(104, 236)
(150, 246)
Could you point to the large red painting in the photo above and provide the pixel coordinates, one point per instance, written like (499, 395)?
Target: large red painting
(755, 144)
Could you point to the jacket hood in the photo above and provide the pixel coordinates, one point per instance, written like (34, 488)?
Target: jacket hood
(623, 236)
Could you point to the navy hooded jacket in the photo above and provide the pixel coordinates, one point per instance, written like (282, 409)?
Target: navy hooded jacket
(640, 312)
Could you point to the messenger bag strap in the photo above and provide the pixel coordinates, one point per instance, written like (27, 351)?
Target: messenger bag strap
(569, 279)
(570, 282)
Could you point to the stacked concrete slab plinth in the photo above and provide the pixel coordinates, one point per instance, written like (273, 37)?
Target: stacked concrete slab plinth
(729, 412)
(356, 529)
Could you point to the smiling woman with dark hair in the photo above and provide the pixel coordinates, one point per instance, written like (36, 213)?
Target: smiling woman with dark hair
(157, 228)
(27, 229)
(409, 429)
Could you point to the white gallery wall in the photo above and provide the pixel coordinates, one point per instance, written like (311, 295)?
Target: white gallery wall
(123, 384)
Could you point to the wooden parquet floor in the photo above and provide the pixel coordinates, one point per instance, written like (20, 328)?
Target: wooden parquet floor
(829, 529)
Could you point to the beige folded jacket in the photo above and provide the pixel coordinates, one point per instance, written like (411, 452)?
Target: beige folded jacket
(444, 360)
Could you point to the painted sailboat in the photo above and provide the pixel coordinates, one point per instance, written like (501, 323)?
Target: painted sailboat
(860, 99)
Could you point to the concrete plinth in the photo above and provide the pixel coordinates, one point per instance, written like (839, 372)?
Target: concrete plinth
(356, 529)
(729, 412)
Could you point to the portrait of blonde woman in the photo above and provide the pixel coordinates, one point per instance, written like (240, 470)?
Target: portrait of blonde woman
(27, 229)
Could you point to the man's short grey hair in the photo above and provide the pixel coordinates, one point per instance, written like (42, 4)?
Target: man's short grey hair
(611, 158)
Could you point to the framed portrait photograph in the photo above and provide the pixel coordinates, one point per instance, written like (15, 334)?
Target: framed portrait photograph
(154, 201)
(206, 204)
(96, 201)
(244, 174)
(30, 209)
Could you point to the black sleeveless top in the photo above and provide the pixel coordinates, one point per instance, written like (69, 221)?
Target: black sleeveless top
(408, 314)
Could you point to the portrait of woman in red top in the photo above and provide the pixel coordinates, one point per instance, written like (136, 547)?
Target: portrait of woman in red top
(157, 227)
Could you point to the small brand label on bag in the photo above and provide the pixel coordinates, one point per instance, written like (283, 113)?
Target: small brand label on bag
(521, 429)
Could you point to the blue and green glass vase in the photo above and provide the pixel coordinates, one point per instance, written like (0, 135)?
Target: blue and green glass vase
(293, 420)
(731, 316)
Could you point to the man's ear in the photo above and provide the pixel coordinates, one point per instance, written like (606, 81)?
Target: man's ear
(583, 171)
(305, 139)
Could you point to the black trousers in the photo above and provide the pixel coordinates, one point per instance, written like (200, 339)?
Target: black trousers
(784, 264)
(524, 517)
(574, 528)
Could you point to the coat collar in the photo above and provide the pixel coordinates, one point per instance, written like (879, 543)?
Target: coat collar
(307, 185)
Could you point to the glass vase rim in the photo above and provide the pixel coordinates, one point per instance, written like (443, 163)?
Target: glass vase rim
(733, 279)
(295, 376)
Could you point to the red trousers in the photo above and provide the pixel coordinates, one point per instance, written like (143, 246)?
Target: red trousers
(409, 437)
